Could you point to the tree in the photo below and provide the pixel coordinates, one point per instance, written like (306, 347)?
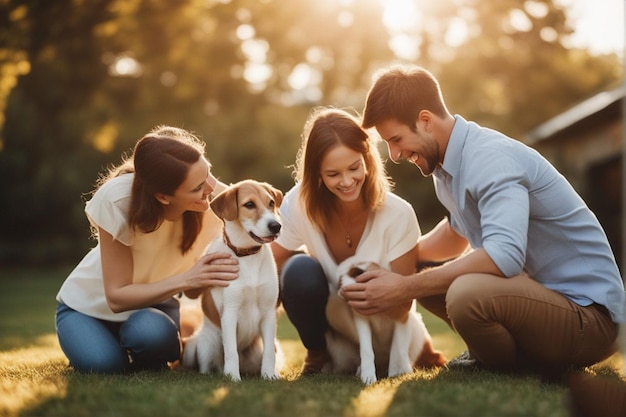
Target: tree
(81, 81)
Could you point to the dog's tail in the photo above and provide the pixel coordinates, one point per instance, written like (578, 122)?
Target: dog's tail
(430, 358)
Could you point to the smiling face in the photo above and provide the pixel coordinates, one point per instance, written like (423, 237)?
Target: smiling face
(419, 148)
(343, 172)
(193, 193)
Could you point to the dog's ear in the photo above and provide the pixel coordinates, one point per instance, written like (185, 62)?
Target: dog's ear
(224, 205)
(276, 194)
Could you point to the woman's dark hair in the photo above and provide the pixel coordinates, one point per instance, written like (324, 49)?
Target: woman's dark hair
(160, 162)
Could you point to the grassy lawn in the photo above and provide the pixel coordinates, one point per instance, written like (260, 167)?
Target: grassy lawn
(35, 379)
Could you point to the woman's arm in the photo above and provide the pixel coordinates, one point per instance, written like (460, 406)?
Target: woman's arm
(122, 294)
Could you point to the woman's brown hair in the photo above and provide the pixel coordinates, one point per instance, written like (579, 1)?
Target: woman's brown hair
(326, 128)
(160, 162)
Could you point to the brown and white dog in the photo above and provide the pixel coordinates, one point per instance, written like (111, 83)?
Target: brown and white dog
(238, 334)
(393, 344)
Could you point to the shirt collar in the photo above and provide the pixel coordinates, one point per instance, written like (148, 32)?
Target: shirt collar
(452, 158)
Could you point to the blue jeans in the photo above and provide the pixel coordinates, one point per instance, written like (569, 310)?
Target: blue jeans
(148, 339)
(304, 290)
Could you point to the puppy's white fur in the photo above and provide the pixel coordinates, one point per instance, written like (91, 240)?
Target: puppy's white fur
(363, 344)
(238, 334)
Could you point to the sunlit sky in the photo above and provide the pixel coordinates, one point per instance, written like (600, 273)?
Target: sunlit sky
(599, 24)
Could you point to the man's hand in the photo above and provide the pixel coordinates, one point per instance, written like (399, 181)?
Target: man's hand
(378, 291)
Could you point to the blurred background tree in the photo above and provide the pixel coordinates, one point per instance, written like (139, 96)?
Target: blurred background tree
(82, 80)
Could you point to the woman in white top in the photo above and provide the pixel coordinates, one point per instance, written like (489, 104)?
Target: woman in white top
(117, 309)
(341, 206)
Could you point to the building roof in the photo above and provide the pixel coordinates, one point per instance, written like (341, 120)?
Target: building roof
(579, 112)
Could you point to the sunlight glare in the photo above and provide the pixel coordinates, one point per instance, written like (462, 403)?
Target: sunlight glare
(300, 77)
(320, 58)
(32, 375)
(219, 394)
(245, 32)
(549, 34)
(519, 21)
(401, 18)
(125, 66)
(598, 25)
(536, 9)
(256, 72)
(404, 46)
(457, 32)
(345, 19)
(255, 50)
(373, 401)
(305, 82)
(400, 15)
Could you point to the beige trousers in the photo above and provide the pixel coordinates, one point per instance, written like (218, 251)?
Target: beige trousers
(516, 323)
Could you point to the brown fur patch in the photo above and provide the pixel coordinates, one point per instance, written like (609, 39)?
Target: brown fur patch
(210, 310)
(430, 358)
(190, 320)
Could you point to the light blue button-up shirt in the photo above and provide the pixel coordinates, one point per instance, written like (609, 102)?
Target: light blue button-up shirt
(503, 196)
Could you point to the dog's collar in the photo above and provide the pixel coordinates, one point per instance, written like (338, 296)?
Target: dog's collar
(241, 251)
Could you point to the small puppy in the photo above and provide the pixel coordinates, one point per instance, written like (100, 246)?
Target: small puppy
(396, 344)
(238, 334)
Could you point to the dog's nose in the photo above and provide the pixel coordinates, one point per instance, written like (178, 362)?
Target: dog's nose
(274, 227)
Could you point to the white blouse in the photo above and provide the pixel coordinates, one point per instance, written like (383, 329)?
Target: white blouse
(156, 255)
(390, 232)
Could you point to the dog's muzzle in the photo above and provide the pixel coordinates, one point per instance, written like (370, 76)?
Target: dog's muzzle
(274, 228)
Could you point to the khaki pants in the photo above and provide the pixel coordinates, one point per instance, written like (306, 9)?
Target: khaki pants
(513, 323)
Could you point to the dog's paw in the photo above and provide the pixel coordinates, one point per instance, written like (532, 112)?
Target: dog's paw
(368, 379)
(270, 376)
(233, 376)
(232, 372)
(400, 369)
(368, 376)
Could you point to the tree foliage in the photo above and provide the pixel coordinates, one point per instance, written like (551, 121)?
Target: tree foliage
(82, 80)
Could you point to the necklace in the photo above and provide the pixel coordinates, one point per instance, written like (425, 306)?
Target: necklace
(348, 237)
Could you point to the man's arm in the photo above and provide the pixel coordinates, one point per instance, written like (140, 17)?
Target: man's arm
(379, 290)
(441, 244)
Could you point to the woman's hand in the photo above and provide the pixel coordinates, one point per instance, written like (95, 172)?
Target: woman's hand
(211, 270)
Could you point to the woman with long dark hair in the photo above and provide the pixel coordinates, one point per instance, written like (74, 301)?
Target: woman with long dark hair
(117, 310)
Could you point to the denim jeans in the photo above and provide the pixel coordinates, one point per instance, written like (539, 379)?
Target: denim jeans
(304, 295)
(148, 339)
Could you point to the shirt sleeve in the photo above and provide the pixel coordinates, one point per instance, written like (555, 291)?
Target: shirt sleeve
(502, 196)
(108, 208)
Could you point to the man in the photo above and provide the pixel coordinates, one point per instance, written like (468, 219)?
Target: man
(532, 282)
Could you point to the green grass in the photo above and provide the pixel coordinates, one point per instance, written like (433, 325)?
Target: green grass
(35, 379)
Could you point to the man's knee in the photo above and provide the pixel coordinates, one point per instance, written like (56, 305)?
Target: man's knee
(466, 296)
